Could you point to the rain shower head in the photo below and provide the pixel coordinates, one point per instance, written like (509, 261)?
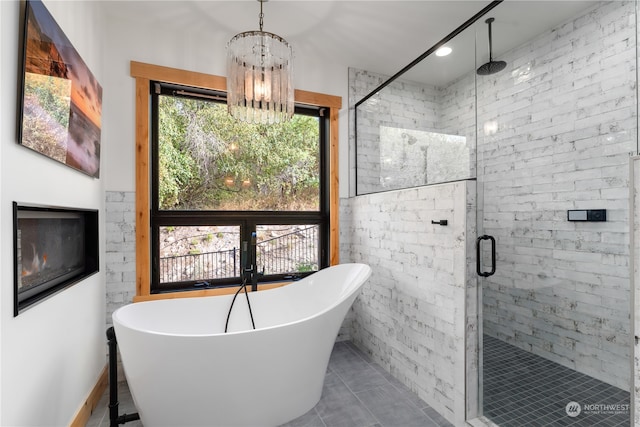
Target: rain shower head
(492, 66)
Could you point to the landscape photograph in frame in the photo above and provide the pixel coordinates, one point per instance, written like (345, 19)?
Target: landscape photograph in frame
(61, 99)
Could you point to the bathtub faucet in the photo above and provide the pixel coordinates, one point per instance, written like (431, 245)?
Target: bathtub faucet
(250, 272)
(250, 276)
(254, 279)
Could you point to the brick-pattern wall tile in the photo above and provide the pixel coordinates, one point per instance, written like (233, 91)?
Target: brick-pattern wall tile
(120, 256)
(565, 112)
(555, 130)
(403, 141)
(411, 314)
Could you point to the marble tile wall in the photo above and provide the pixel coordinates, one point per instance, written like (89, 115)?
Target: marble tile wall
(402, 106)
(555, 130)
(411, 316)
(563, 120)
(402, 141)
(120, 250)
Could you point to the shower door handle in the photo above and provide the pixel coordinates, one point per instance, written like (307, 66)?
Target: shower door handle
(478, 256)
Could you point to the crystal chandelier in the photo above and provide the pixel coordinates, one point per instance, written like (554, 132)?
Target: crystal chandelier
(259, 77)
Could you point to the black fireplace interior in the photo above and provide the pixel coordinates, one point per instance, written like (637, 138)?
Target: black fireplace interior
(54, 248)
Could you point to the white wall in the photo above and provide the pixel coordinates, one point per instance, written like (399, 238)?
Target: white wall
(52, 354)
(198, 49)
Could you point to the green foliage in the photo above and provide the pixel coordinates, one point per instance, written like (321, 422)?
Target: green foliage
(53, 94)
(208, 160)
(177, 170)
(305, 267)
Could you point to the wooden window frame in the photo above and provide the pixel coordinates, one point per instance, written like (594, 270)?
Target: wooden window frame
(144, 74)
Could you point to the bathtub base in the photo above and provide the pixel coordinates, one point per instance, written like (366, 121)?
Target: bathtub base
(259, 385)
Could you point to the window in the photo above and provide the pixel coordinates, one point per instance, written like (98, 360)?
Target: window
(224, 193)
(144, 74)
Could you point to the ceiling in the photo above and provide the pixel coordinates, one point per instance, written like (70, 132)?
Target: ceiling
(378, 36)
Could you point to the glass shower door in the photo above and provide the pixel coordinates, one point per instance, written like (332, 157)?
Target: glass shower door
(554, 132)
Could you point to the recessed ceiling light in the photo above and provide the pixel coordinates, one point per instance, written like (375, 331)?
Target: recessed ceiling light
(443, 51)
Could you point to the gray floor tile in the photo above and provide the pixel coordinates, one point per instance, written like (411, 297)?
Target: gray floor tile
(356, 373)
(310, 419)
(349, 370)
(388, 405)
(339, 407)
(100, 413)
(359, 352)
(344, 357)
(403, 389)
(436, 417)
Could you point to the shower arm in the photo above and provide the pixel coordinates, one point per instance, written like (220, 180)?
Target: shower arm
(489, 21)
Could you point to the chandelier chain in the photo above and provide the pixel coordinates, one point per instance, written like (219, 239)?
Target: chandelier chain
(261, 16)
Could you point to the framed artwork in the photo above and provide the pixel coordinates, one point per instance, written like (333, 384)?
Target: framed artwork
(61, 100)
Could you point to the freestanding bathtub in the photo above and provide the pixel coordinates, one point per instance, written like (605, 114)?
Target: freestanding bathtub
(183, 370)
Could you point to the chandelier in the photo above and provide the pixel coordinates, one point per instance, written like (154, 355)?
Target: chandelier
(259, 77)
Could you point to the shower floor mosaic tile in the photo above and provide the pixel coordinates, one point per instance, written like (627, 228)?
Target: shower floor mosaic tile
(357, 393)
(522, 389)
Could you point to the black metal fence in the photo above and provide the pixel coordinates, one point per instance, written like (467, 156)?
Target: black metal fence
(290, 253)
(205, 266)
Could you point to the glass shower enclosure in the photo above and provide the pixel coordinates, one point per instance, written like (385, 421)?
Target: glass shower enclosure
(544, 133)
(554, 133)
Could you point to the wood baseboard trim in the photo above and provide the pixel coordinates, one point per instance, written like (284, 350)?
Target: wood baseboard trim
(84, 413)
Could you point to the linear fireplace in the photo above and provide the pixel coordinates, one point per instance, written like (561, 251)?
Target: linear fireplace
(53, 248)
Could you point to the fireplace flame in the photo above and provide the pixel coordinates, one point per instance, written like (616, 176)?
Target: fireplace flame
(37, 263)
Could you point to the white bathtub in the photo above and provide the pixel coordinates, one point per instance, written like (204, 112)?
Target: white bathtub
(183, 370)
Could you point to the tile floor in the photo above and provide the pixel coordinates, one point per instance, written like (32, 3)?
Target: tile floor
(522, 389)
(357, 393)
